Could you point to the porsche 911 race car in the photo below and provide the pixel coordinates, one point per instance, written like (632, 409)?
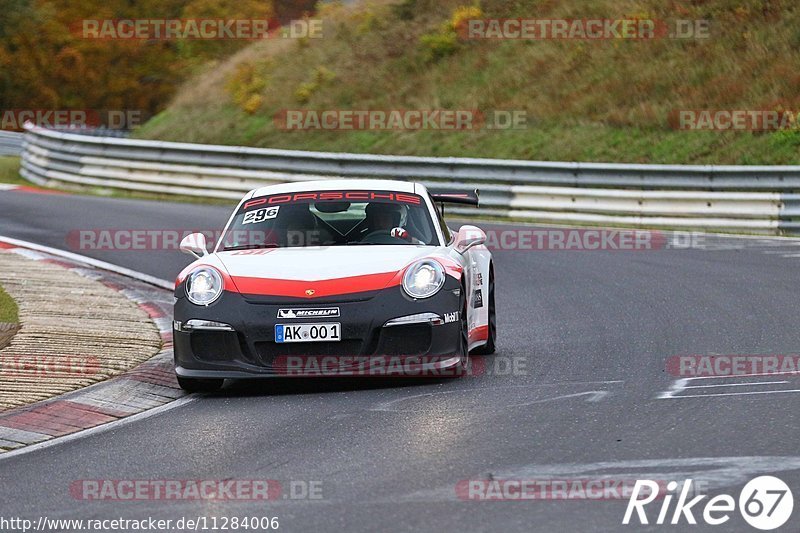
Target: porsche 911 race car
(334, 277)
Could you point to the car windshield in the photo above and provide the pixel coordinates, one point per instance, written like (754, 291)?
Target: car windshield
(331, 218)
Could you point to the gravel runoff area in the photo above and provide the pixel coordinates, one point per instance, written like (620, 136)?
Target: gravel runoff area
(7, 332)
(74, 331)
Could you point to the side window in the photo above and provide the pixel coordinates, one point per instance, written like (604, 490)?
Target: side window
(445, 230)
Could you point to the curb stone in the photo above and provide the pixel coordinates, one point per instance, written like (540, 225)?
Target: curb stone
(149, 385)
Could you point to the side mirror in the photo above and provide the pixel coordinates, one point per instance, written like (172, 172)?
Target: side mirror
(469, 236)
(194, 244)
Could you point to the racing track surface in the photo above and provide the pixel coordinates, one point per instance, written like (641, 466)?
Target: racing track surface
(594, 330)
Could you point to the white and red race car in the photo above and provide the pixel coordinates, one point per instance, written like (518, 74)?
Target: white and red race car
(335, 277)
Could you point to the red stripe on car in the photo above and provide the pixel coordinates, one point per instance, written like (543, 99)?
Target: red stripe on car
(481, 333)
(316, 289)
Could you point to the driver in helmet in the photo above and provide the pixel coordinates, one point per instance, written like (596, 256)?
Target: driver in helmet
(382, 217)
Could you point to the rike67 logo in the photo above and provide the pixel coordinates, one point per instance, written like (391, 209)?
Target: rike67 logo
(765, 503)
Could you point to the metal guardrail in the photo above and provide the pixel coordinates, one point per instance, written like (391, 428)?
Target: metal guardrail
(10, 143)
(755, 199)
(93, 131)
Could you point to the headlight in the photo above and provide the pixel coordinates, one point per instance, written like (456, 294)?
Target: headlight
(423, 279)
(203, 286)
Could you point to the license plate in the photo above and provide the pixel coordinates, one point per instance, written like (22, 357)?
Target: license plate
(308, 332)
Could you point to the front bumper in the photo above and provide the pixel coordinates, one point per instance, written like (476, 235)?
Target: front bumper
(373, 342)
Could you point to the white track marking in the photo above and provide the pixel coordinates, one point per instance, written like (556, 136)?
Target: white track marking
(677, 386)
(758, 374)
(784, 391)
(593, 396)
(98, 429)
(735, 384)
(146, 278)
(680, 385)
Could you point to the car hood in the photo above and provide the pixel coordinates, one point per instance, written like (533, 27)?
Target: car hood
(318, 272)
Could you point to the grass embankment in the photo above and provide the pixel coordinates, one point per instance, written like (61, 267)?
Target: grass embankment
(8, 308)
(9, 171)
(9, 318)
(606, 100)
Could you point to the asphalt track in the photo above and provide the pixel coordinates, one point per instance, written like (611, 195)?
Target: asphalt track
(593, 330)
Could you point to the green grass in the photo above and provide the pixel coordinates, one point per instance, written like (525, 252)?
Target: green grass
(8, 308)
(9, 171)
(143, 195)
(585, 100)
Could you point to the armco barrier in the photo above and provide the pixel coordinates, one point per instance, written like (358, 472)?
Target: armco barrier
(10, 143)
(752, 199)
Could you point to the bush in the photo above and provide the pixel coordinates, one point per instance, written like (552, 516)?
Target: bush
(306, 90)
(436, 46)
(245, 87)
(445, 41)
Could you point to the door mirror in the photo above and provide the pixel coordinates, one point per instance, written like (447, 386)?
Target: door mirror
(469, 236)
(194, 244)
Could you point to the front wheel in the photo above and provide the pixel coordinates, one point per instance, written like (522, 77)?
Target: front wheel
(200, 385)
(463, 334)
(490, 346)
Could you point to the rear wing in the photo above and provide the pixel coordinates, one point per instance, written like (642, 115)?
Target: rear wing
(455, 197)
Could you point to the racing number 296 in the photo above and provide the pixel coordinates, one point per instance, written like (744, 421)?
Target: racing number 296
(260, 215)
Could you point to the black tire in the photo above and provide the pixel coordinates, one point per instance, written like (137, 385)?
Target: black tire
(200, 385)
(491, 341)
(463, 344)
